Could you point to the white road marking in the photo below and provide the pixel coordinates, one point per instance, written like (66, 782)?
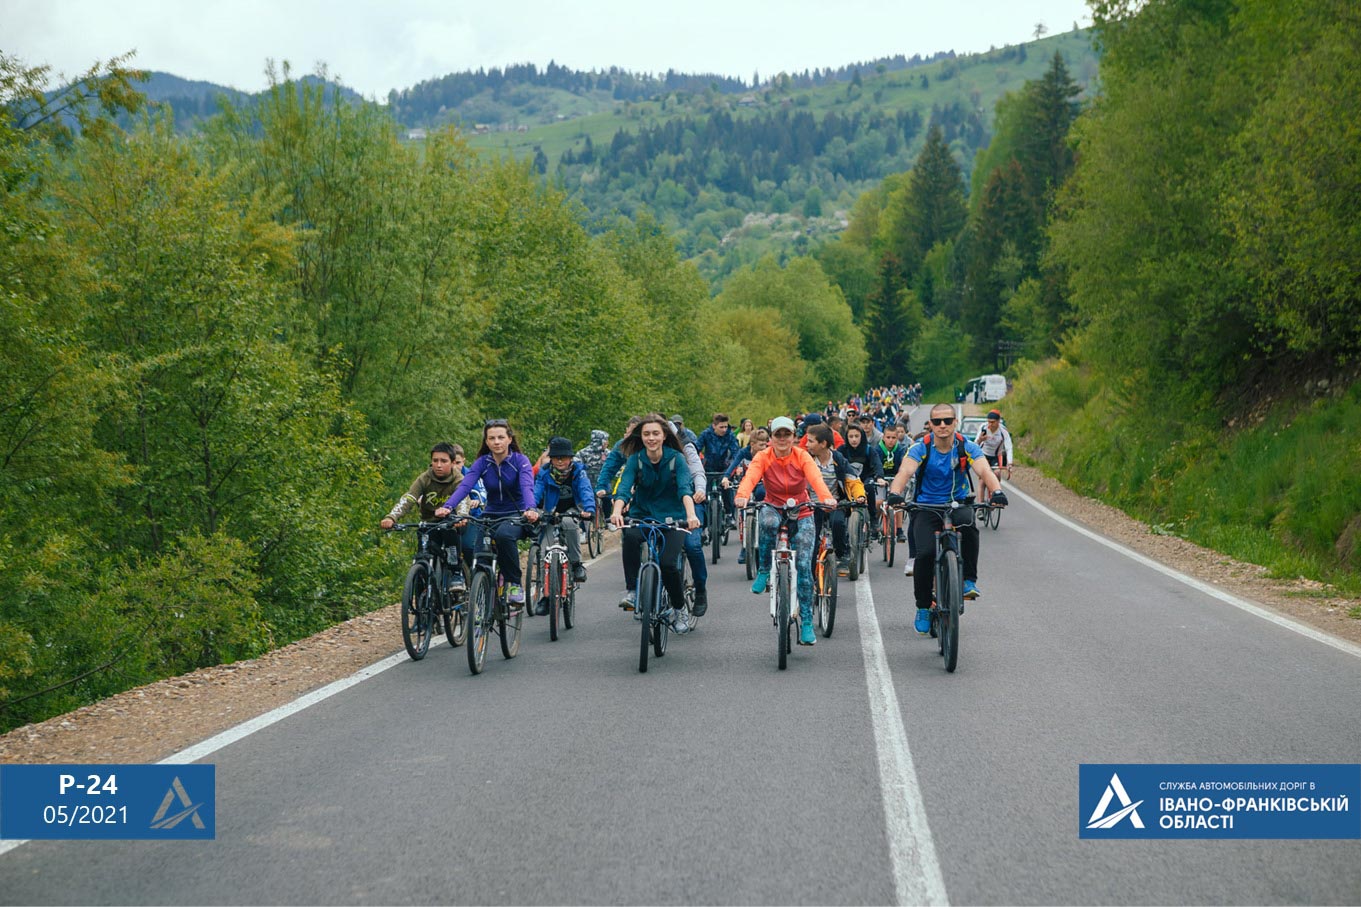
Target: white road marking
(1341, 645)
(917, 876)
(246, 728)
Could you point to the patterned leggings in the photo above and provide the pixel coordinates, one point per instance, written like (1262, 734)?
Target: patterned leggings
(802, 543)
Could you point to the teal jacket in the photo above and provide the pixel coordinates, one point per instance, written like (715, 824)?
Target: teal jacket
(655, 490)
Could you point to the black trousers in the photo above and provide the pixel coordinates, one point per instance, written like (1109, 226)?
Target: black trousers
(672, 551)
(923, 527)
(840, 536)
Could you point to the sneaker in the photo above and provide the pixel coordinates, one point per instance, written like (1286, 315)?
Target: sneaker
(741, 555)
(971, 590)
(578, 573)
(910, 567)
(806, 637)
(629, 602)
(843, 565)
(923, 622)
(541, 607)
(701, 604)
(677, 619)
(515, 595)
(456, 584)
(759, 585)
(900, 537)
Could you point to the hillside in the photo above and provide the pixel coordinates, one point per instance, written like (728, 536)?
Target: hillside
(704, 162)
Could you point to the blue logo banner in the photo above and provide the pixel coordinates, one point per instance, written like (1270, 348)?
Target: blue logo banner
(1263, 800)
(108, 802)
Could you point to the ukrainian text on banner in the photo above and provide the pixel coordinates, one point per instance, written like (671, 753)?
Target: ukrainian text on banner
(1219, 801)
(110, 802)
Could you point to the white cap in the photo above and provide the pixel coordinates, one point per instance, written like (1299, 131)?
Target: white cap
(780, 422)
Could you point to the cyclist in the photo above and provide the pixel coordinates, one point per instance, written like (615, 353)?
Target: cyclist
(744, 432)
(508, 477)
(948, 458)
(788, 473)
(560, 488)
(839, 476)
(656, 484)
(865, 464)
(995, 441)
(427, 491)
(816, 419)
(592, 456)
(760, 440)
(718, 448)
(867, 427)
(694, 542)
(683, 434)
(892, 451)
(614, 464)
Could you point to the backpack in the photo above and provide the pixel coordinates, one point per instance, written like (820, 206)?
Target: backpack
(963, 458)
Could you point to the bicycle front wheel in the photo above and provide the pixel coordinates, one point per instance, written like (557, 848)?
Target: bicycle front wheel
(509, 627)
(888, 538)
(995, 517)
(854, 528)
(782, 594)
(418, 611)
(481, 607)
(648, 582)
(949, 602)
(715, 516)
(534, 578)
(455, 618)
(749, 542)
(827, 614)
(557, 565)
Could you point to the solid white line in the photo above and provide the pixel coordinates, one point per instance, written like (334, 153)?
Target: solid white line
(917, 877)
(1341, 645)
(246, 728)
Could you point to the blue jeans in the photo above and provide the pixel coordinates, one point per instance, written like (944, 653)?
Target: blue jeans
(801, 541)
(694, 553)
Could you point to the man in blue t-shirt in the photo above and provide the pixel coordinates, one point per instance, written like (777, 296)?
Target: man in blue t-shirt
(943, 480)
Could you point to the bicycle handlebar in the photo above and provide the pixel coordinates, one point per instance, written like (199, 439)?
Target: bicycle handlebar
(649, 523)
(446, 523)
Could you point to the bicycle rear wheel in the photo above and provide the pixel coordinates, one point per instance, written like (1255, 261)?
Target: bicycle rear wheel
(888, 538)
(648, 581)
(949, 603)
(456, 617)
(827, 613)
(749, 542)
(995, 517)
(418, 611)
(509, 626)
(660, 628)
(556, 565)
(481, 606)
(782, 583)
(534, 578)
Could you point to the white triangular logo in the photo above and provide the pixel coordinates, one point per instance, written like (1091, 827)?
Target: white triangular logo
(190, 811)
(1115, 790)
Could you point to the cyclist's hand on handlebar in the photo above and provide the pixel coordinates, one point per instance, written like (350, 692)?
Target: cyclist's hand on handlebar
(460, 524)
(999, 498)
(385, 522)
(532, 515)
(692, 522)
(830, 502)
(896, 499)
(860, 500)
(617, 520)
(698, 496)
(740, 502)
(442, 512)
(725, 483)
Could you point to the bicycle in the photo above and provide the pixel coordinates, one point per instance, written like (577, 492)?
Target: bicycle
(888, 536)
(948, 595)
(488, 609)
(987, 514)
(749, 528)
(782, 589)
(594, 532)
(426, 594)
(858, 533)
(825, 575)
(653, 601)
(555, 573)
(716, 524)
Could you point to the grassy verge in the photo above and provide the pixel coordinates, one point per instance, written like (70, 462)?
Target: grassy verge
(1283, 491)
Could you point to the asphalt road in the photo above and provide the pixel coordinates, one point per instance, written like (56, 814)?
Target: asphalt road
(863, 774)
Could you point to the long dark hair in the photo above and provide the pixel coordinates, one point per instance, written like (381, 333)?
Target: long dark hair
(633, 441)
(861, 449)
(487, 426)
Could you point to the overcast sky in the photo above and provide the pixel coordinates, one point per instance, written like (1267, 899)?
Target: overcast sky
(377, 46)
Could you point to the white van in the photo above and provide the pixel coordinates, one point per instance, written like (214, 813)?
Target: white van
(994, 387)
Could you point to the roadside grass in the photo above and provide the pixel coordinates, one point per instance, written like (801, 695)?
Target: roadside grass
(1284, 493)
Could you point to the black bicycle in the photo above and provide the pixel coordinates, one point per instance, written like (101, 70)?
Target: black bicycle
(716, 529)
(654, 604)
(430, 593)
(489, 609)
(948, 598)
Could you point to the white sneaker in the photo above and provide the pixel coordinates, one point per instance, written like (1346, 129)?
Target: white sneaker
(909, 567)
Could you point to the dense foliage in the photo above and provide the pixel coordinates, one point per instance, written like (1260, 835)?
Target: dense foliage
(227, 353)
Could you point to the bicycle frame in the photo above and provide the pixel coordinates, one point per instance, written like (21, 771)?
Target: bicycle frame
(553, 558)
(654, 629)
(490, 608)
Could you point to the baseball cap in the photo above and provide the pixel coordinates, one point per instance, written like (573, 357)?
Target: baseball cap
(677, 419)
(780, 422)
(810, 419)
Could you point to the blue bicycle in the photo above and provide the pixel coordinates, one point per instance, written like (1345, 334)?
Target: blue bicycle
(655, 609)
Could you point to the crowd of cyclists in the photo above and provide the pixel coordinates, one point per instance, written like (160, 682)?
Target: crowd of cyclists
(854, 451)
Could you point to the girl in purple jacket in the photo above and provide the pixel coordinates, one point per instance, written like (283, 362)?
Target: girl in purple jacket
(508, 477)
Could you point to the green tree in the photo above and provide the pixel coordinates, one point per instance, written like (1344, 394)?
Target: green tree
(930, 210)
